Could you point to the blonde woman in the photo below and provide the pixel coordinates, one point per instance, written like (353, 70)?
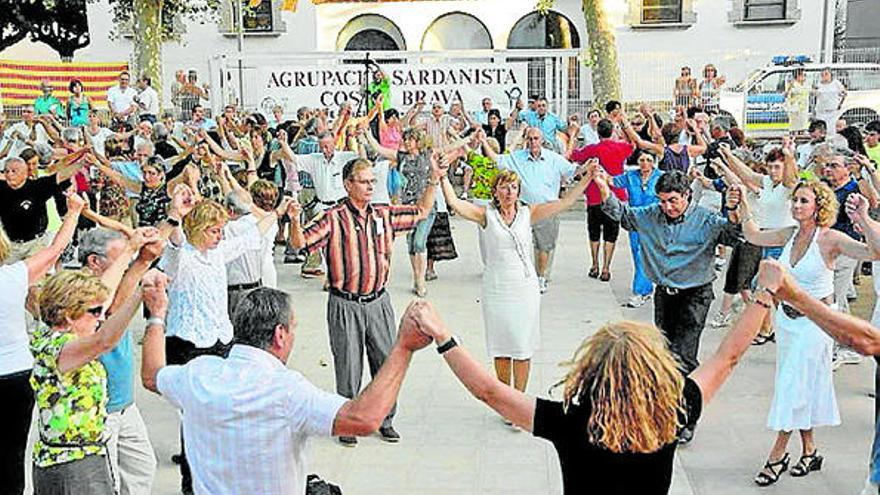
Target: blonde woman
(624, 399)
(70, 384)
(510, 298)
(15, 367)
(803, 396)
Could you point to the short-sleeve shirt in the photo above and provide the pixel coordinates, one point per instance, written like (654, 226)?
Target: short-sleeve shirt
(120, 100)
(23, 210)
(326, 174)
(844, 223)
(541, 177)
(612, 156)
(358, 246)
(548, 124)
(71, 406)
(247, 420)
(586, 466)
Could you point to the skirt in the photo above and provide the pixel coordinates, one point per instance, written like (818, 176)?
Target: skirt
(441, 247)
(803, 395)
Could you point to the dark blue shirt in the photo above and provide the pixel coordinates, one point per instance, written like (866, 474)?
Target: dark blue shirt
(844, 224)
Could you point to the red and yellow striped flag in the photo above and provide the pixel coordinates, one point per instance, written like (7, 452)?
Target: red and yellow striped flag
(20, 80)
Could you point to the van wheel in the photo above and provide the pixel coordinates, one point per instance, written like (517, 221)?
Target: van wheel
(859, 116)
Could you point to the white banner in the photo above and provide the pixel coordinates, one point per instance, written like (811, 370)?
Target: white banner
(322, 86)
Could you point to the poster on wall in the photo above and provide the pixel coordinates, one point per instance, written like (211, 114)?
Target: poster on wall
(322, 86)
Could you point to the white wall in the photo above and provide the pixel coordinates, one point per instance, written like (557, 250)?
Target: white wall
(645, 54)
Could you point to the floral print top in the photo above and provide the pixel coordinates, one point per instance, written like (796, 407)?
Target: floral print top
(153, 205)
(71, 406)
(416, 170)
(112, 202)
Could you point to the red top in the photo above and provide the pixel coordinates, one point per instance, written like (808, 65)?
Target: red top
(612, 155)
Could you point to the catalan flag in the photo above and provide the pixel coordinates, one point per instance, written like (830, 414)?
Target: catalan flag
(20, 80)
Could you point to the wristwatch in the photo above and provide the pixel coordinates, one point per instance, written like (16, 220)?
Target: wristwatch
(172, 222)
(449, 344)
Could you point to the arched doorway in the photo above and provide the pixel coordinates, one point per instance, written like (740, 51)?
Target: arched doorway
(370, 32)
(456, 31)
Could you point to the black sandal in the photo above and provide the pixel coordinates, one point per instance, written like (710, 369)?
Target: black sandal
(594, 273)
(807, 464)
(763, 339)
(765, 479)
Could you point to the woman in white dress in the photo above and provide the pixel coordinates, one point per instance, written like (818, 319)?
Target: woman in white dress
(510, 298)
(803, 396)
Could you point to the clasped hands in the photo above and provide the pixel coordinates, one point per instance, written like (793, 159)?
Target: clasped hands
(420, 325)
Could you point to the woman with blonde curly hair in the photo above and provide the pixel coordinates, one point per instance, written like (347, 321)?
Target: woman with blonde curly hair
(803, 395)
(625, 399)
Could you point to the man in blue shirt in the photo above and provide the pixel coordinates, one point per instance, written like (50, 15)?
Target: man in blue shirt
(541, 172)
(677, 241)
(547, 122)
(131, 454)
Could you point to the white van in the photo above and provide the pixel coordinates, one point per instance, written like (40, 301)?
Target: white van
(757, 104)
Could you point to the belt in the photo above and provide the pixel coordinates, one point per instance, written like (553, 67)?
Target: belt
(252, 285)
(791, 312)
(358, 298)
(673, 291)
(327, 203)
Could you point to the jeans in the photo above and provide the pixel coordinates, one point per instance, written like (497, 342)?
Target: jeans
(641, 285)
(417, 240)
(15, 417)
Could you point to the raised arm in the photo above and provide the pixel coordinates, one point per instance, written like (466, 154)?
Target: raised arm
(514, 405)
(43, 260)
(466, 209)
(857, 209)
(634, 137)
(789, 164)
(749, 177)
(699, 147)
(366, 140)
(767, 238)
(488, 152)
(546, 210)
(153, 354)
(218, 150)
(114, 175)
(713, 372)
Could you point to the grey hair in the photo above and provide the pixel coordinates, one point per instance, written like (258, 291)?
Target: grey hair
(71, 134)
(146, 145)
(45, 152)
(160, 132)
(238, 202)
(13, 159)
(257, 314)
(95, 241)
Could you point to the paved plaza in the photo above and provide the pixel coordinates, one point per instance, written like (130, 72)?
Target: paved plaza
(453, 444)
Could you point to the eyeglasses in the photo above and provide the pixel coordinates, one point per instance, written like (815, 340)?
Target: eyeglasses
(97, 311)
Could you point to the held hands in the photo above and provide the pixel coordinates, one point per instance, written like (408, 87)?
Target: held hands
(411, 336)
(182, 201)
(736, 200)
(75, 203)
(773, 276)
(143, 235)
(155, 295)
(857, 208)
(293, 209)
(426, 320)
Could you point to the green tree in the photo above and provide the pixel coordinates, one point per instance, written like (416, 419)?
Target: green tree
(601, 51)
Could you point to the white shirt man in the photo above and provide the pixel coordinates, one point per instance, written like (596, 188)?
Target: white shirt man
(121, 99)
(23, 136)
(252, 265)
(148, 101)
(326, 174)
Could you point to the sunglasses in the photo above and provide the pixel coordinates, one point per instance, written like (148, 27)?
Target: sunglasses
(97, 311)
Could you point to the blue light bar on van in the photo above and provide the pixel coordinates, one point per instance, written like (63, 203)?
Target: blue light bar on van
(791, 59)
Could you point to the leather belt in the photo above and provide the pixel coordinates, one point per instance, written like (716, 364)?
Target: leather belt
(252, 285)
(674, 291)
(358, 298)
(791, 312)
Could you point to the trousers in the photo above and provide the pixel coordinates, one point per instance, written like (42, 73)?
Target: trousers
(353, 327)
(681, 317)
(641, 285)
(15, 416)
(132, 459)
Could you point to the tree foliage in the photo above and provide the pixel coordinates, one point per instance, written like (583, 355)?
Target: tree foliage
(61, 24)
(173, 11)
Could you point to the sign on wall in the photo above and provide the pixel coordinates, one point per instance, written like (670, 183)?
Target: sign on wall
(293, 86)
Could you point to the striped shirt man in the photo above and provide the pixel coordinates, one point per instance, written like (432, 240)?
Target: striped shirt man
(357, 246)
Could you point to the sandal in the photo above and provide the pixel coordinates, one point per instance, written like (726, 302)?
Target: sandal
(807, 464)
(594, 273)
(771, 471)
(606, 276)
(763, 339)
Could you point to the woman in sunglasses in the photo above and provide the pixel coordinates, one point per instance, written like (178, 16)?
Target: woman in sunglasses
(70, 384)
(803, 396)
(685, 92)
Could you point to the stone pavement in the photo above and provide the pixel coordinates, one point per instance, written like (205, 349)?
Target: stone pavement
(453, 444)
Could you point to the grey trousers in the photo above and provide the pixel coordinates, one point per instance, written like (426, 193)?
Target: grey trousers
(89, 475)
(353, 326)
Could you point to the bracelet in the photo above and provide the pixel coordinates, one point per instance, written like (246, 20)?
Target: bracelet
(155, 320)
(757, 301)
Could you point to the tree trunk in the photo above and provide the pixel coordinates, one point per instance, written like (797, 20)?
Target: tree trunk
(602, 52)
(148, 42)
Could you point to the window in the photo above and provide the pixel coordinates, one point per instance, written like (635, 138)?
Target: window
(262, 19)
(661, 11)
(764, 10)
(370, 32)
(456, 31)
(747, 12)
(655, 14)
(550, 30)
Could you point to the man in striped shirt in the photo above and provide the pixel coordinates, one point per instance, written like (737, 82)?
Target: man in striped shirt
(356, 238)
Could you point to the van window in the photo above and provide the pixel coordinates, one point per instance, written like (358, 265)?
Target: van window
(860, 79)
(774, 82)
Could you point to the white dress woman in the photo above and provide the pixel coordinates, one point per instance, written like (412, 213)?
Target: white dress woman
(803, 396)
(510, 297)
